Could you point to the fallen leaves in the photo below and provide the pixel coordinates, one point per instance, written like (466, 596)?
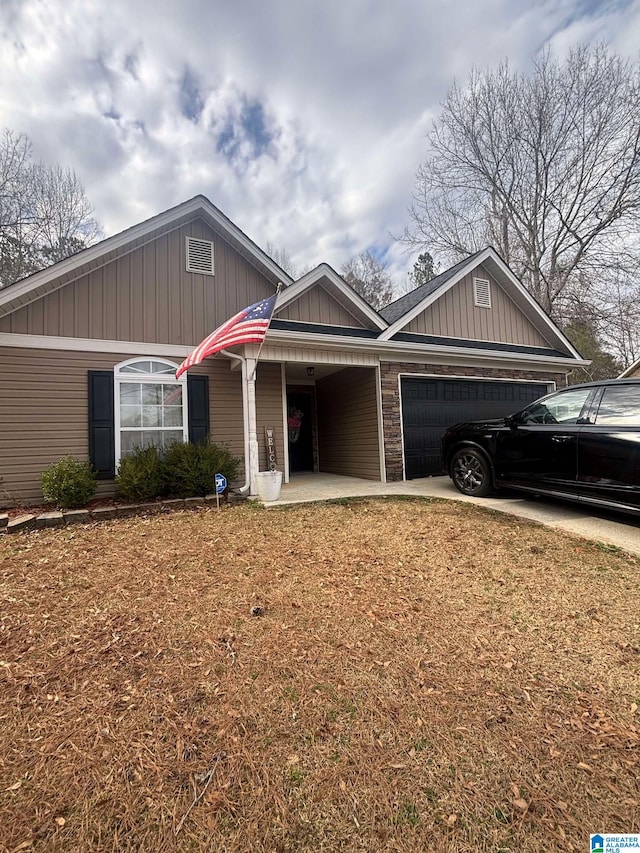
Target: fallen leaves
(408, 662)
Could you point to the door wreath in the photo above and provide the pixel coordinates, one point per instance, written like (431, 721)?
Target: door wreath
(294, 422)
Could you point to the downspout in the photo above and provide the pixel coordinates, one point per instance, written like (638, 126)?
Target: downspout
(245, 419)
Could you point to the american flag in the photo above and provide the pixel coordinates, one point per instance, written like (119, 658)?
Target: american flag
(249, 326)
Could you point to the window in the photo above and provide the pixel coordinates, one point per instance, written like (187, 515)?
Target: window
(481, 293)
(200, 256)
(562, 408)
(150, 405)
(620, 406)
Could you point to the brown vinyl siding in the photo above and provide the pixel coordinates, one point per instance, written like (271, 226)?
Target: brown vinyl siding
(147, 295)
(317, 306)
(455, 315)
(269, 411)
(348, 423)
(44, 413)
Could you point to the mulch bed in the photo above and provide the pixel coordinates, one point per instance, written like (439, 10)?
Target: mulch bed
(367, 675)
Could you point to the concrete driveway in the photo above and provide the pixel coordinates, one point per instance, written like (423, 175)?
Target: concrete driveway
(601, 526)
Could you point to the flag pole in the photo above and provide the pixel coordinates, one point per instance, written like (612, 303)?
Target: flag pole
(255, 366)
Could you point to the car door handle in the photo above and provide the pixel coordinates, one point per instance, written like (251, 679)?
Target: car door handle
(560, 439)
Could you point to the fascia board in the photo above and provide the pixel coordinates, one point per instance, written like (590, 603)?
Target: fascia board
(401, 322)
(293, 291)
(89, 345)
(194, 206)
(379, 346)
(631, 369)
(394, 348)
(325, 271)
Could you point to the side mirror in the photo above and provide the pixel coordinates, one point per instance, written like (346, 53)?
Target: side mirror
(514, 420)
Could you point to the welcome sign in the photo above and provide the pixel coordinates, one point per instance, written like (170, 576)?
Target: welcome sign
(270, 442)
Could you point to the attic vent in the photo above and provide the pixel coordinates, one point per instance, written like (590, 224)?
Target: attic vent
(199, 256)
(481, 293)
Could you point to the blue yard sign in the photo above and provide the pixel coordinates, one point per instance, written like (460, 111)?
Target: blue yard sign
(221, 483)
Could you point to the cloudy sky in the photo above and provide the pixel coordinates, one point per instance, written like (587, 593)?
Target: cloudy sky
(304, 122)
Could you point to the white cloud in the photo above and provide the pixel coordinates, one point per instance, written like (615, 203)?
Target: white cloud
(304, 123)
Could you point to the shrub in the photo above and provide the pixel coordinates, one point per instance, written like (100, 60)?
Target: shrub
(140, 474)
(189, 469)
(69, 483)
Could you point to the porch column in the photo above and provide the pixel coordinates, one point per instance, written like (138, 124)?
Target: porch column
(254, 463)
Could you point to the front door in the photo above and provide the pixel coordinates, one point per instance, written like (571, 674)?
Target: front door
(300, 430)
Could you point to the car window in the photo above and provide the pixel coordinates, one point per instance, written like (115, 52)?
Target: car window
(620, 406)
(562, 408)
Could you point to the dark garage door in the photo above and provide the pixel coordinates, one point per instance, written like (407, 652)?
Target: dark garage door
(430, 406)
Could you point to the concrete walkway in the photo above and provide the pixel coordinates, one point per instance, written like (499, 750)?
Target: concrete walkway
(611, 528)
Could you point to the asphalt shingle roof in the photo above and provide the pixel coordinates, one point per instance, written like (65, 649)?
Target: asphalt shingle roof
(397, 309)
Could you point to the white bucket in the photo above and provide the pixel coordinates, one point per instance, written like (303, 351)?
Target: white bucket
(269, 485)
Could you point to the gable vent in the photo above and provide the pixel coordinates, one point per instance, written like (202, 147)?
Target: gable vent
(199, 256)
(481, 293)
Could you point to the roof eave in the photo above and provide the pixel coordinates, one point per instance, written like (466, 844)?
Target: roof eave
(381, 346)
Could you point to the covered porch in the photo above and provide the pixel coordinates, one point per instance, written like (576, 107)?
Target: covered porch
(323, 411)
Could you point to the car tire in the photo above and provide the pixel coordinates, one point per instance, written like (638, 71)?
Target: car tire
(471, 473)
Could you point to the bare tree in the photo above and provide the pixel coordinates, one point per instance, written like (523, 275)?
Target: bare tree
(283, 259)
(44, 213)
(369, 277)
(544, 166)
(612, 304)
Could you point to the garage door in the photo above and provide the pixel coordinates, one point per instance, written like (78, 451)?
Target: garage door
(430, 406)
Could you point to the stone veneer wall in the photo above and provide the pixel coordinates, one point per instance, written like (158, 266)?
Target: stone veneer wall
(389, 371)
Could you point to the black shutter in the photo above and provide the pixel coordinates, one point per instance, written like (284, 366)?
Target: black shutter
(101, 423)
(198, 395)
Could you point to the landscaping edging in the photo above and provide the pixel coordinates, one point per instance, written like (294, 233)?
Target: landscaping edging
(60, 518)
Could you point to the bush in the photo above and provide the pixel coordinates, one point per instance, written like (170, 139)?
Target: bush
(189, 469)
(140, 475)
(180, 471)
(69, 483)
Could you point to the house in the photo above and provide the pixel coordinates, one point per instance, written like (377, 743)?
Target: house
(89, 348)
(632, 371)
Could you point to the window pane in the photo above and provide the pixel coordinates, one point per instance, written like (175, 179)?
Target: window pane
(566, 407)
(152, 416)
(130, 393)
(173, 416)
(137, 367)
(130, 416)
(151, 394)
(129, 441)
(150, 438)
(171, 435)
(562, 408)
(620, 406)
(159, 367)
(172, 395)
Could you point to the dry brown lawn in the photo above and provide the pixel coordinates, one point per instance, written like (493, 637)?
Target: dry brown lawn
(422, 676)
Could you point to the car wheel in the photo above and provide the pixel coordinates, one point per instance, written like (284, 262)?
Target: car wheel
(471, 474)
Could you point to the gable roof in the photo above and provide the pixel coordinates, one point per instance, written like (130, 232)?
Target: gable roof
(339, 289)
(416, 302)
(27, 290)
(394, 310)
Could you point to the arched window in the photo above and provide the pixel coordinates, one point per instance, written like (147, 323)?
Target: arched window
(150, 405)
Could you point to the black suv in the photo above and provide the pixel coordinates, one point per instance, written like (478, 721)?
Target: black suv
(581, 443)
